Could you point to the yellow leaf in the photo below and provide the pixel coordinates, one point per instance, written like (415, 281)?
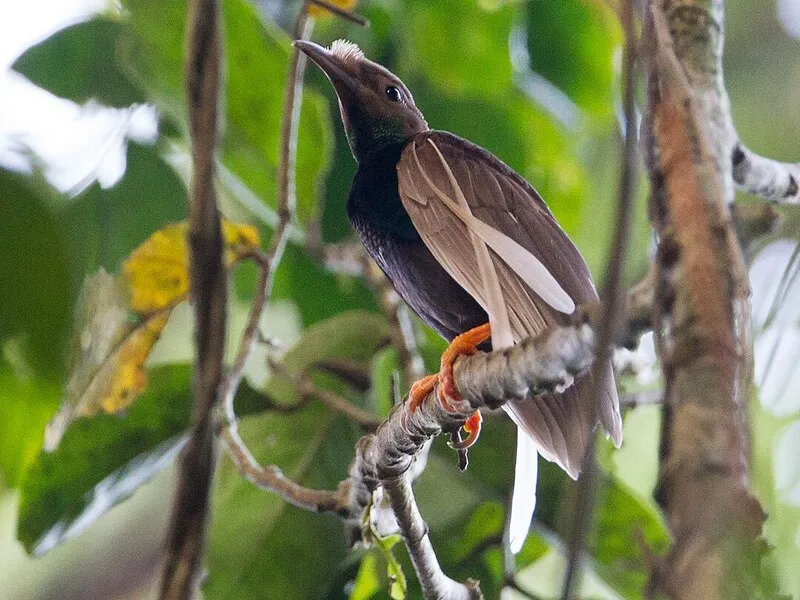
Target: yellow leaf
(107, 371)
(318, 11)
(158, 271)
(129, 377)
(111, 345)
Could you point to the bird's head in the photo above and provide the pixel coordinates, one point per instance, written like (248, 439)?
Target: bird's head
(377, 108)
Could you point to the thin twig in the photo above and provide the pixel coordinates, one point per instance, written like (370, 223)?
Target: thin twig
(269, 260)
(487, 543)
(645, 398)
(582, 518)
(271, 478)
(435, 584)
(613, 302)
(290, 125)
(350, 258)
(341, 12)
(509, 558)
(186, 538)
(514, 585)
(537, 365)
(307, 388)
(753, 221)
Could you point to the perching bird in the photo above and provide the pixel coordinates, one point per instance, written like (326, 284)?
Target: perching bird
(466, 241)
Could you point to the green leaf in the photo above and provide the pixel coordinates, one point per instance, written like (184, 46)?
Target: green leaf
(36, 298)
(79, 63)
(318, 293)
(354, 335)
(37, 290)
(573, 44)
(398, 586)
(444, 43)
(101, 461)
(484, 525)
(105, 225)
(473, 547)
(782, 527)
(254, 542)
(367, 583)
(26, 404)
(622, 518)
(491, 471)
(256, 67)
(544, 577)
(384, 366)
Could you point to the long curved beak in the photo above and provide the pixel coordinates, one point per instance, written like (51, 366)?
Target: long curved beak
(343, 82)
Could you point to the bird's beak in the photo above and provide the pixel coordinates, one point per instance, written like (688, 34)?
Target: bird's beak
(343, 82)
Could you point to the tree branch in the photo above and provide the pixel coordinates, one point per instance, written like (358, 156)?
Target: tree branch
(306, 388)
(703, 318)
(435, 584)
(697, 30)
(401, 327)
(271, 477)
(548, 362)
(186, 538)
(613, 302)
(541, 364)
(772, 180)
(268, 261)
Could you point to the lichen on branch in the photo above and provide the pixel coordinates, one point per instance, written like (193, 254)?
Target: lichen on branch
(703, 312)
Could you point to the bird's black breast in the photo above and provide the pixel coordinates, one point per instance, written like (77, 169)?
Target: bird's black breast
(377, 214)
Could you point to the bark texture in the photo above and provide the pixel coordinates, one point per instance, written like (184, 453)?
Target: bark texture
(702, 309)
(187, 532)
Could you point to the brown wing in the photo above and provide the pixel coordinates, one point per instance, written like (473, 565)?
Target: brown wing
(437, 172)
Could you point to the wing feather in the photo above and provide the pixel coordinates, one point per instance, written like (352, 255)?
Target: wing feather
(438, 175)
(496, 306)
(522, 262)
(526, 467)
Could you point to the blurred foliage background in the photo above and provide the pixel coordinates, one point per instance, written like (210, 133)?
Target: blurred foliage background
(537, 84)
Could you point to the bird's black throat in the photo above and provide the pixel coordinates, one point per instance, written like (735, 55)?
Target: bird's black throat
(374, 206)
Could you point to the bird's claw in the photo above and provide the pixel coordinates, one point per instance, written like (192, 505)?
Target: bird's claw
(473, 428)
(447, 392)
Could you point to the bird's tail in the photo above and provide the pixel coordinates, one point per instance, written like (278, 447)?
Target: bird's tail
(523, 499)
(557, 426)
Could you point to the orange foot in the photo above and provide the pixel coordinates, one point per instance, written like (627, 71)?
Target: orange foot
(464, 344)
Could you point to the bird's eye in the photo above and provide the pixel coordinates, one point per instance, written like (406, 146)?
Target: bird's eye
(393, 93)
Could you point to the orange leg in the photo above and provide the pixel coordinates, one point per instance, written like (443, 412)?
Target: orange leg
(420, 390)
(464, 344)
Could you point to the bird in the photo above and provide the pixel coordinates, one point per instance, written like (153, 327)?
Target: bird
(473, 249)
